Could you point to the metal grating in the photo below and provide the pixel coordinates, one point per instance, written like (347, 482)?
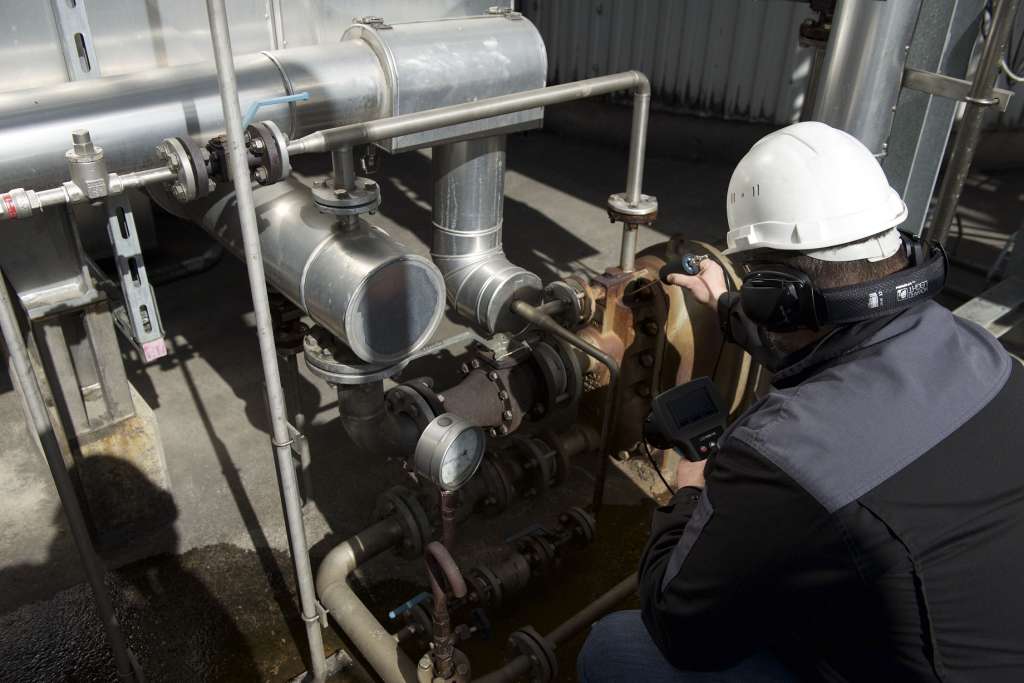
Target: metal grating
(737, 59)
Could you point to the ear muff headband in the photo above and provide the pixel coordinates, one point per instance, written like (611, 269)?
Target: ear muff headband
(783, 299)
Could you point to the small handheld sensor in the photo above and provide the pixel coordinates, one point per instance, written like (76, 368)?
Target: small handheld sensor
(688, 265)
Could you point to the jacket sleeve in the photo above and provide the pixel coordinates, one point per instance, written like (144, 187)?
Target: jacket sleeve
(718, 561)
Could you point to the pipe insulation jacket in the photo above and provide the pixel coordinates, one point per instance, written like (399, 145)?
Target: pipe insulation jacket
(469, 193)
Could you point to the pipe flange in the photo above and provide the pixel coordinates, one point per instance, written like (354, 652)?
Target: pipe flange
(500, 490)
(405, 400)
(363, 198)
(643, 212)
(554, 373)
(574, 369)
(400, 502)
(269, 147)
(543, 662)
(487, 586)
(563, 458)
(335, 363)
(581, 523)
(573, 297)
(538, 464)
(189, 162)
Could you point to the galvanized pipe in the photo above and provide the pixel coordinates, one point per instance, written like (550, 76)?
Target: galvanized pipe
(980, 99)
(281, 440)
(407, 124)
(380, 648)
(40, 419)
(860, 79)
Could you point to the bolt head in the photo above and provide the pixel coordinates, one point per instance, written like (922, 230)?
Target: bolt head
(261, 174)
(507, 416)
(178, 192)
(493, 376)
(503, 395)
(502, 430)
(474, 363)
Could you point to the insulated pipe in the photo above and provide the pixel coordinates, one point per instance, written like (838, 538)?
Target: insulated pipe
(980, 99)
(380, 648)
(129, 115)
(861, 77)
(469, 193)
(487, 158)
(29, 383)
(281, 439)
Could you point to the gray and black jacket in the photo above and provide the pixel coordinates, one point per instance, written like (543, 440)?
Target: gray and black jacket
(866, 514)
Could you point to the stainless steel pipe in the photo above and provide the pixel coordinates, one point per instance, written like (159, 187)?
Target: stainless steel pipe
(280, 437)
(407, 124)
(469, 194)
(21, 368)
(860, 79)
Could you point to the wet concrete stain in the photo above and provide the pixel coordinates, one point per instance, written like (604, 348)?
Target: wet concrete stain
(216, 614)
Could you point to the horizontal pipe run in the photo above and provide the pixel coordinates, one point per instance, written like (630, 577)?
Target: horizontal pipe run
(418, 122)
(520, 666)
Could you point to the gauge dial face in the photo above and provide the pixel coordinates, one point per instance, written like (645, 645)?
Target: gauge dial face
(461, 458)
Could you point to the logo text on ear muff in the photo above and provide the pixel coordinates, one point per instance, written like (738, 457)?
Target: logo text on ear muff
(911, 290)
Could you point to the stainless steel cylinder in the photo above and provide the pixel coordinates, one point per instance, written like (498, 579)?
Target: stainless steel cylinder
(129, 115)
(469, 193)
(370, 291)
(860, 79)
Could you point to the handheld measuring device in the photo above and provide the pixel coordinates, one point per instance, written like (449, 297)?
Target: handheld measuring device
(689, 418)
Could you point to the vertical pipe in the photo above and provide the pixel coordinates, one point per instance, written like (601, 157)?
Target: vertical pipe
(239, 172)
(344, 168)
(861, 77)
(22, 369)
(978, 102)
(635, 169)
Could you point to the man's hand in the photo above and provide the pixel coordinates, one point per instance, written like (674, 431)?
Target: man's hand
(707, 286)
(690, 473)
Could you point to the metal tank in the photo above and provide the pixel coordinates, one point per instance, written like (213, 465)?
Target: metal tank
(371, 291)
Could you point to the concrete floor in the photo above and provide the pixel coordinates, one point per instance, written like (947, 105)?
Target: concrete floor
(212, 610)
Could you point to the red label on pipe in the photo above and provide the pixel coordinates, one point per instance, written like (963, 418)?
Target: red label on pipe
(12, 210)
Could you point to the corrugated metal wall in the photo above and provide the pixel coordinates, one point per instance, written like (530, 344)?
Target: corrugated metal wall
(726, 58)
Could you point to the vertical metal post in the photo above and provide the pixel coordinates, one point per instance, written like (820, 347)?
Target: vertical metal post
(281, 439)
(75, 39)
(978, 101)
(22, 370)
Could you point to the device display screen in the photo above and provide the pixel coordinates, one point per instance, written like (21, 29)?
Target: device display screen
(693, 406)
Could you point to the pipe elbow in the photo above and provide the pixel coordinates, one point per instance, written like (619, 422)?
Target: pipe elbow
(643, 84)
(482, 287)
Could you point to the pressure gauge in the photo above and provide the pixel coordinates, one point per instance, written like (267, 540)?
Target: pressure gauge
(449, 451)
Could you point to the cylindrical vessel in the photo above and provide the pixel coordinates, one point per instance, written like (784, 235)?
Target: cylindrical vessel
(129, 115)
(860, 80)
(469, 192)
(431, 64)
(373, 293)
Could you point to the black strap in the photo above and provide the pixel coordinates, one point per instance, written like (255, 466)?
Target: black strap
(883, 297)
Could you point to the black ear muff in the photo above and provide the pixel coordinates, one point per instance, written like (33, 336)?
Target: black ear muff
(778, 299)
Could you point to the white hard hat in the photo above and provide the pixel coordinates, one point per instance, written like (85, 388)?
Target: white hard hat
(815, 189)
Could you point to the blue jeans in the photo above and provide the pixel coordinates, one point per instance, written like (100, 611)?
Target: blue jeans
(619, 649)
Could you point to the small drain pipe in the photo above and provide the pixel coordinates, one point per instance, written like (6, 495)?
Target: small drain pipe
(379, 647)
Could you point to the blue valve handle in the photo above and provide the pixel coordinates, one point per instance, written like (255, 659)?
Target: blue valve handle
(409, 604)
(689, 265)
(270, 101)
